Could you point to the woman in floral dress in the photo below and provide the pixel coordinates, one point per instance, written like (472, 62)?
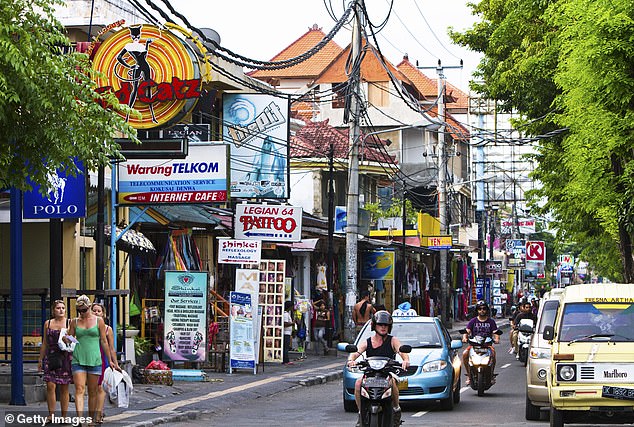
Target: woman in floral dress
(55, 377)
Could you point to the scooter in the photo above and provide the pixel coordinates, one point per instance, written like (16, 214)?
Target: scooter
(524, 335)
(376, 387)
(480, 362)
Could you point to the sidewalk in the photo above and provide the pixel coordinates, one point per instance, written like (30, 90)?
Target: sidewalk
(157, 404)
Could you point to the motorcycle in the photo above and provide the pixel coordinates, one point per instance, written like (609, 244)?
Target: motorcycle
(524, 335)
(480, 362)
(376, 387)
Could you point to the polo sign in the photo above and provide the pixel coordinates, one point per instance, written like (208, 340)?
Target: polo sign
(65, 196)
(268, 222)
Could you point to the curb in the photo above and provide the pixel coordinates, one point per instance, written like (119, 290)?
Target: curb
(321, 379)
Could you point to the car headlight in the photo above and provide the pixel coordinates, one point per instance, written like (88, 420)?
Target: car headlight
(435, 366)
(539, 354)
(566, 373)
(377, 364)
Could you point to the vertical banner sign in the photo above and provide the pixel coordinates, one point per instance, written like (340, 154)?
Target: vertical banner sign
(272, 282)
(242, 343)
(256, 126)
(248, 282)
(185, 331)
(65, 196)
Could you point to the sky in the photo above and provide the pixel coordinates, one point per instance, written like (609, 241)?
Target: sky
(260, 29)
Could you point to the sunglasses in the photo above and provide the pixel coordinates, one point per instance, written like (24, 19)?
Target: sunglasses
(82, 310)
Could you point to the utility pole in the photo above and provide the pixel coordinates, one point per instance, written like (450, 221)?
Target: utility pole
(330, 270)
(352, 208)
(442, 197)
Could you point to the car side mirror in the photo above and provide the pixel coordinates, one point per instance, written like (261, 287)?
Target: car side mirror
(342, 346)
(405, 348)
(549, 333)
(456, 344)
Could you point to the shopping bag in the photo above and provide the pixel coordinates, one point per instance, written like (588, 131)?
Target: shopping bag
(109, 383)
(62, 345)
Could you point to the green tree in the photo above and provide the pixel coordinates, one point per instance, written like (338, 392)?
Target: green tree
(567, 65)
(49, 110)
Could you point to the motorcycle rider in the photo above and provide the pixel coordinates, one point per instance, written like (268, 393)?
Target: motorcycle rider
(483, 326)
(525, 312)
(384, 345)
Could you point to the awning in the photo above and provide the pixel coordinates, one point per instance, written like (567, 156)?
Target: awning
(304, 245)
(182, 215)
(132, 241)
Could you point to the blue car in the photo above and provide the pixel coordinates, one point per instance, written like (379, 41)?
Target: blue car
(435, 363)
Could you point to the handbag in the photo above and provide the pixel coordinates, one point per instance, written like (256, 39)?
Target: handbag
(55, 360)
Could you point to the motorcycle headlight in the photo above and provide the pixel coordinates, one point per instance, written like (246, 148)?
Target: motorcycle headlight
(377, 364)
(539, 354)
(435, 366)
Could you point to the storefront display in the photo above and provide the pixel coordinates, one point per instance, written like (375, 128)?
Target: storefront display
(271, 301)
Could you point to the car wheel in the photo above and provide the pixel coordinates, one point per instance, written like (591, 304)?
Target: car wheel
(447, 404)
(456, 392)
(349, 405)
(533, 413)
(556, 418)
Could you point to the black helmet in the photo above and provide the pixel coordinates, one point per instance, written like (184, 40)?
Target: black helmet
(524, 301)
(480, 304)
(383, 317)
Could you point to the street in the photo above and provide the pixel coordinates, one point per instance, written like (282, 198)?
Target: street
(320, 405)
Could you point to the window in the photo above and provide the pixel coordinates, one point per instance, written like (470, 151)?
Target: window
(378, 94)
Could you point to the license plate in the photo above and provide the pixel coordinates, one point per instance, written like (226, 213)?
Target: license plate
(621, 393)
(375, 382)
(402, 383)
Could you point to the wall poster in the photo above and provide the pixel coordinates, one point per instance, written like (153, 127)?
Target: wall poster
(242, 343)
(185, 331)
(271, 297)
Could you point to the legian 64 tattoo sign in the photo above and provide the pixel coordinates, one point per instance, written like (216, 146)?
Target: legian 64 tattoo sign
(268, 222)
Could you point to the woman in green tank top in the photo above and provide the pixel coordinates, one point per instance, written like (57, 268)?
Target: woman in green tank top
(90, 332)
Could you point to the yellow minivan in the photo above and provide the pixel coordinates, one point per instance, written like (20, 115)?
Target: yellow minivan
(592, 355)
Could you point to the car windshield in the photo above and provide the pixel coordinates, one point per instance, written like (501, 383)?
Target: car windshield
(416, 334)
(586, 321)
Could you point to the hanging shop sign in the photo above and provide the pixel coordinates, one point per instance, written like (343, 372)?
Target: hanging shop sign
(234, 251)
(65, 196)
(189, 132)
(536, 250)
(377, 265)
(242, 343)
(268, 222)
(152, 71)
(439, 242)
(202, 177)
(256, 127)
(341, 219)
(185, 331)
(522, 225)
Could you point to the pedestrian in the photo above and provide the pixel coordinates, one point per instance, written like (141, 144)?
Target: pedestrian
(98, 310)
(90, 332)
(288, 331)
(362, 311)
(322, 321)
(54, 362)
(504, 299)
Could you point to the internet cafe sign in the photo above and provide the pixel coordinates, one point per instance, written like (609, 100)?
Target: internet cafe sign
(150, 70)
(202, 177)
(268, 222)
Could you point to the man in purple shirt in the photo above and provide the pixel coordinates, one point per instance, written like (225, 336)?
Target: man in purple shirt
(484, 326)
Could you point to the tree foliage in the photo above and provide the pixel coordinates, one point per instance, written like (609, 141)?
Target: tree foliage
(568, 64)
(49, 110)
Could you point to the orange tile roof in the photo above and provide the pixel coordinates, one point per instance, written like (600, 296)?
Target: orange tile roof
(371, 68)
(455, 98)
(309, 68)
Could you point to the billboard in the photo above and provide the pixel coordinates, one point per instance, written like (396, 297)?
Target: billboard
(151, 70)
(256, 127)
(377, 265)
(202, 177)
(268, 222)
(65, 196)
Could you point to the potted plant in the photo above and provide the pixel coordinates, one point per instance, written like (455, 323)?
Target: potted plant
(143, 348)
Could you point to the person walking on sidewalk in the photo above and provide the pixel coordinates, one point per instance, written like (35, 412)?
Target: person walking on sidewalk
(287, 318)
(90, 332)
(362, 311)
(98, 310)
(54, 362)
(322, 320)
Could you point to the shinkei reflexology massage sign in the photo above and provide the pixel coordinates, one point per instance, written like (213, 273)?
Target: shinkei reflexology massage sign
(152, 71)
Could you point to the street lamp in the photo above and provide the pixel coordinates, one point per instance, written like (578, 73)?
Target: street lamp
(352, 214)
